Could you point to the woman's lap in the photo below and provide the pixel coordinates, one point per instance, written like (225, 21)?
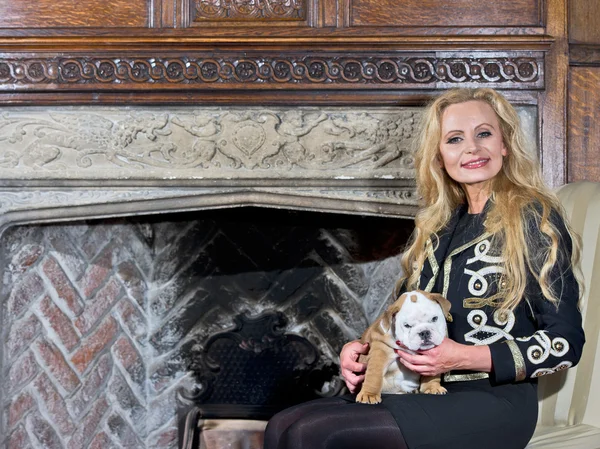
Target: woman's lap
(471, 415)
(333, 423)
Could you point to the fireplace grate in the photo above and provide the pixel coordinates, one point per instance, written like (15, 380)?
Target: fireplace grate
(254, 370)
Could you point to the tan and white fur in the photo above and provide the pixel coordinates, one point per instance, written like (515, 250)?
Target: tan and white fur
(415, 321)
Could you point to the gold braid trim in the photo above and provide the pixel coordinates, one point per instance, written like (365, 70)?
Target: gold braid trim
(518, 359)
(494, 301)
(449, 377)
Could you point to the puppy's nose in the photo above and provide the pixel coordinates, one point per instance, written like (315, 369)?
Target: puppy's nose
(425, 335)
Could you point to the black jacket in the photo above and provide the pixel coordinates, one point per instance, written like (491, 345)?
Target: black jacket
(537, 338)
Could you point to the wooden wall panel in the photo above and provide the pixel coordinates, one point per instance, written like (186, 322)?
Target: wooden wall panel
(74, 13)
(262, 13)
(584, 21)
(553, 101)
(436, 13)
(584, 130)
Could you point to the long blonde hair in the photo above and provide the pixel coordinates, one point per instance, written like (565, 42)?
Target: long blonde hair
(517, 191)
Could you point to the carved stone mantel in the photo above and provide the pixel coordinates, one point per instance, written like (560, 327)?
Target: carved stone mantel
(70, 162)
(80, 162)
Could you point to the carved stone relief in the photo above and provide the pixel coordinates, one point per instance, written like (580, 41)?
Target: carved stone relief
(208, 143)
(89, 162)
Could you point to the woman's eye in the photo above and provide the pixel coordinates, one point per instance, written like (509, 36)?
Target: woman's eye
(485, 134)
(453, 140)
(406, 325)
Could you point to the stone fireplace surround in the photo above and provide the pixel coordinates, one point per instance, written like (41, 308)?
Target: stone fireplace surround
(84, 186)
(71, 301)
(84, 189)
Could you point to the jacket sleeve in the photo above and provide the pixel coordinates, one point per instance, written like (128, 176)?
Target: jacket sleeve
(558, 342)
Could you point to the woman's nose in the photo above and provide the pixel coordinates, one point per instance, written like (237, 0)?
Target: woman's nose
(471, 145)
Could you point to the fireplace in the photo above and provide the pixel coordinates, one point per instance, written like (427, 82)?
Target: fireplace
(131, 236)
(102, 318)
(131, 124)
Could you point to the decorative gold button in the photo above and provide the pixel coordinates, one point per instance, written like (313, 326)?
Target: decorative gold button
(478, 285)
(477, 320)
(536, 354)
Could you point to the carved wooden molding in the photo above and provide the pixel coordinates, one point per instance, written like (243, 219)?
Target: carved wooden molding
(249, 10)
(317, 71)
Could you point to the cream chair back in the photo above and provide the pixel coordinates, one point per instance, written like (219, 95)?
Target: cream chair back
(567, 397)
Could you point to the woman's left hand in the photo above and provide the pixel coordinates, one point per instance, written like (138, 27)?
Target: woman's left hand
(448, 356)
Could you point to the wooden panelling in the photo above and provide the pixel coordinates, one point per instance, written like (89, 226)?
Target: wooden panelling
(256, 13)
(584, 131)
(439, 13)
(553, 101)
(584, 55)
(74, 13)
(232, 10)
(584, 21)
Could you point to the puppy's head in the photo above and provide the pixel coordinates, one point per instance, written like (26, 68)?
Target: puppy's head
(418, 319)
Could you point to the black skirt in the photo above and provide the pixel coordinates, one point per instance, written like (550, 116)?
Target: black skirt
(473, 414)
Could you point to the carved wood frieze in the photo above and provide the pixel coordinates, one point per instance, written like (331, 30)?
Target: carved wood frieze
(390, 71)
(237, 10)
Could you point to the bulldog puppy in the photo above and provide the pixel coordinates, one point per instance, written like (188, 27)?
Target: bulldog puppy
(415, 321)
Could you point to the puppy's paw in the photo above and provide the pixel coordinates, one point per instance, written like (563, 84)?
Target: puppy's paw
(368, 398)
(434, 389)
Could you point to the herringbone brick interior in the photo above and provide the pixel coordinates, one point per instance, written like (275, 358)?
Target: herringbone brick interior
(98, 318)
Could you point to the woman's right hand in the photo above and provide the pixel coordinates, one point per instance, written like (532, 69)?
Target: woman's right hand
(352, 371)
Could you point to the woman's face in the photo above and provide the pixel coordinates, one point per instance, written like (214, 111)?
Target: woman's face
(471, 147)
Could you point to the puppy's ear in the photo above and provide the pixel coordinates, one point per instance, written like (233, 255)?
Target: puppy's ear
(386, 321)
(388, 315)
(444, 304)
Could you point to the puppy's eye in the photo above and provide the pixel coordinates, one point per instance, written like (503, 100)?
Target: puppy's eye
(406, 325)
(434, 319)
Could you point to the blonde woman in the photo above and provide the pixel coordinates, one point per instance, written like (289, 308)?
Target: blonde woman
(492, 238)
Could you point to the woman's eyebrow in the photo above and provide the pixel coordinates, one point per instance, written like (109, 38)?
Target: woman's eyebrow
(485, 124)
(453, 131)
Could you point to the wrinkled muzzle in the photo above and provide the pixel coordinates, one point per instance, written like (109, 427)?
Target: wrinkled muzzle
(423, 336)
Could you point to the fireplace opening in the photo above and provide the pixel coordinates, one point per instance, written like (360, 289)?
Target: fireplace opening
(105, 321)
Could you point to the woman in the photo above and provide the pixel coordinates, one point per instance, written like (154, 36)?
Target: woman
(492, 239)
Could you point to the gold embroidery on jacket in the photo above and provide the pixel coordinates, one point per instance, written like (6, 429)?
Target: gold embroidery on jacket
(477, 303)
(545, 371)
(448, 261)
(449, 377)
(538, 353)
(518, 359)
(434, 266)
(485, 334)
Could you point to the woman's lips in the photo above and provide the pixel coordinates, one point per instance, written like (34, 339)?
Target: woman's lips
(477, 163)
